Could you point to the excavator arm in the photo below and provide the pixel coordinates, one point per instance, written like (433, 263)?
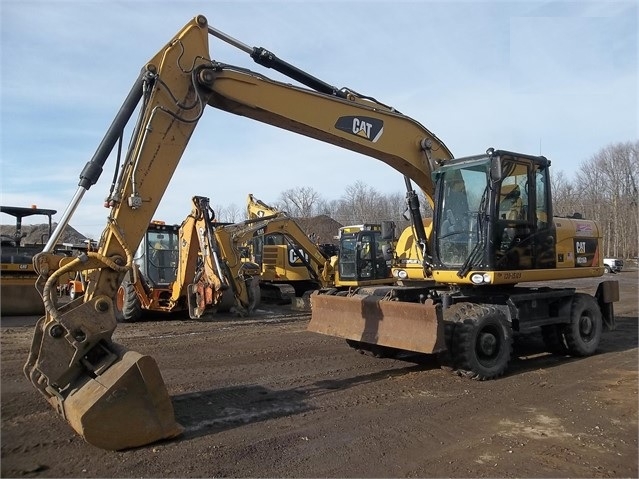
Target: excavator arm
(257, 208)
(115, 398)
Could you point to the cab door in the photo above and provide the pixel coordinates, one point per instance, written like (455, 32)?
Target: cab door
(524, 233)
(369, 257)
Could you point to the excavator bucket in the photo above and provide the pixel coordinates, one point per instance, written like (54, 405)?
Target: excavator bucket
(369, 319)
(126, 406)
(114, 398)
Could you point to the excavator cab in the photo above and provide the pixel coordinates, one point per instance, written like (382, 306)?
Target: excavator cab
(363, 253)
(492, 215)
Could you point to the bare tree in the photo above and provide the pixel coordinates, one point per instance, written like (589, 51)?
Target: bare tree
(299, 202)
(229, 214)
(563, 194)
(328, 208)
(608, 194)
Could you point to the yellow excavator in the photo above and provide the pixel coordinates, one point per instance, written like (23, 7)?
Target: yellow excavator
(467, 308)
(286, 268)
(292, 264)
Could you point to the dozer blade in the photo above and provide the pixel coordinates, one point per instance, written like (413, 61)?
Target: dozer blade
(126, 406)
(366, 318)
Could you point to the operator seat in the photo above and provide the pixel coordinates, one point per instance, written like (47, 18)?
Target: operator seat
(511, 204)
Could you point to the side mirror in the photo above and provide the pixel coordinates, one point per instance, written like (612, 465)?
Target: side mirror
(388, 230)
(495, 169)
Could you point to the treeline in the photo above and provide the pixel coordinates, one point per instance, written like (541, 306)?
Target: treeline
(603, 188)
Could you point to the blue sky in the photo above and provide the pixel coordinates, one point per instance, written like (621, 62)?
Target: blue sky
(557, 77)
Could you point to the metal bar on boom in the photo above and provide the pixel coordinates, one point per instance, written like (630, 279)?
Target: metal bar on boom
(230, 40)
(93, 169)
(268, 59)
(64, 221)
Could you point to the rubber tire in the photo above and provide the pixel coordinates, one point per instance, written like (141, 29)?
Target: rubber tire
(554, 339)
(132, 308)
(452, 316)
(482, 323)
(607, 269)
(72, 295)
(583, 334)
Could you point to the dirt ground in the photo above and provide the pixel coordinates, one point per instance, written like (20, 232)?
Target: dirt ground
(262, 397)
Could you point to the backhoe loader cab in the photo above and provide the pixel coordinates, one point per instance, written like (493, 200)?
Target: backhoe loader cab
(158, 254)
(150, 287)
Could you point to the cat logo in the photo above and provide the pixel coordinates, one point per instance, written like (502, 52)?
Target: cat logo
(363, 126)
(295, 256)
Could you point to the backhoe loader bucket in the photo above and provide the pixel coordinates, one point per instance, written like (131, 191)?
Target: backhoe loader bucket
(369, 319)
(126, 406)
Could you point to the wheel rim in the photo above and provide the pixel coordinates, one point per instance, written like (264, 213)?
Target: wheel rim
(488, 344)
(586, 327)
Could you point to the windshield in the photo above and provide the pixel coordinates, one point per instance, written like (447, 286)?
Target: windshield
(162, 254)
(462, 197)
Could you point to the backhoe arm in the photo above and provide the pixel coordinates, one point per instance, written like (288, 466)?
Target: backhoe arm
(198, 269)
(221, 272)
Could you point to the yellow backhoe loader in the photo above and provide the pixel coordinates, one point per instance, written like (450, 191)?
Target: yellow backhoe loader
(191, 267)
(467, 308)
